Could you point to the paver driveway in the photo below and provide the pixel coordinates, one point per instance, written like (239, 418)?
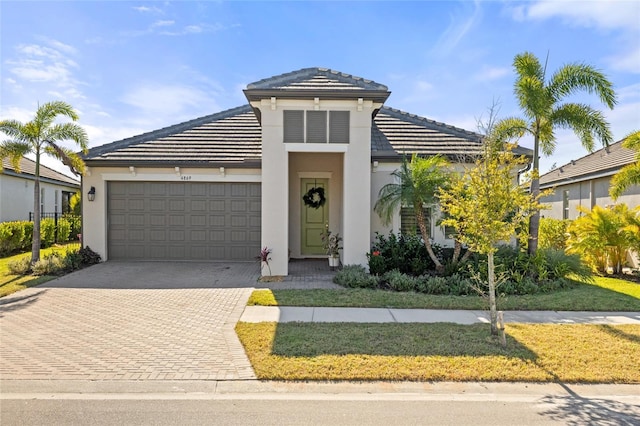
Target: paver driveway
(129, 321)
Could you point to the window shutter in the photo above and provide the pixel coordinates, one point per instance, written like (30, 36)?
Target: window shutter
(408, 223)
(339, 127)
(316, 126)
(293, 126)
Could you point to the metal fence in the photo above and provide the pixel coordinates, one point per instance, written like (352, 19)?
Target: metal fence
(55, 216)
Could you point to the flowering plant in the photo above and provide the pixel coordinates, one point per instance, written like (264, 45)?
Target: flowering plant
(264, 257)
(331, 243)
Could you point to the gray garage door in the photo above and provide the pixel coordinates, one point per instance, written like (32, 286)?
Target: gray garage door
(183, 220)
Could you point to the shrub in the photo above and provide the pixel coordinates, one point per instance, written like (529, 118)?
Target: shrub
(553, 233)
(90, 257)
(15, 236)
(20, 266)
(432, 285)
(397, 281)
(52, 264)
(406, 253)
(47, 232)
(72, 260)
(355, 276)
(75, 221)
(64, 230)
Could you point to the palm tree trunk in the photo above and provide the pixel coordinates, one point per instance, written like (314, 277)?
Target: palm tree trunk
(427, 241)
(534, 221)
(35, 240)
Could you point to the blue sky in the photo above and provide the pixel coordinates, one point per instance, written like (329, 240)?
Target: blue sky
(131, 67)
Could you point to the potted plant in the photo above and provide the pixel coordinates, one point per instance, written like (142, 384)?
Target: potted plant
(332, 246)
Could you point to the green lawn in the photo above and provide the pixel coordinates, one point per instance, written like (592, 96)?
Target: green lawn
(442, 352)
(10, 283)
(604, 294)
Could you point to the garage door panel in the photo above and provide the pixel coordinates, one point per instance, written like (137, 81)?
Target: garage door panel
(183, 220)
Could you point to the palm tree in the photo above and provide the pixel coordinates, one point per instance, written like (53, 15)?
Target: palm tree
(628, 175)
(416, 185)
(542, 104)
(42, 136)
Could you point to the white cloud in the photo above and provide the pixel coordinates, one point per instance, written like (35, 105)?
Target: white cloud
(423, 86)
(627, 60)
(166, 23)
(147, 9)
(167, 104)
(598, 14)
(16, 113)
(460, 24)
(491, 73)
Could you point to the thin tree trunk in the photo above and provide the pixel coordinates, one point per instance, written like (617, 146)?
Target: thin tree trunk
(35, 240)
(427, 241)
(457, 248)
(466, 255)
(493, 312)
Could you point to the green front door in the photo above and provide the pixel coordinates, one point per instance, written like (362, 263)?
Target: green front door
(313, 220)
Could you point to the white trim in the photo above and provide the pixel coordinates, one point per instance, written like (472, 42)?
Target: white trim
(311, 175)
(185, 177)
(316, 147)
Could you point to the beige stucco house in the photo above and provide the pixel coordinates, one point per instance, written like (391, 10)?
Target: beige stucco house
(16, 190)
(221, 187)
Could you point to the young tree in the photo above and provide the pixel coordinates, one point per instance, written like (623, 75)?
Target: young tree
(417, 186)
(486, 205)
(541, 102)
(628, 175)
(42, 136)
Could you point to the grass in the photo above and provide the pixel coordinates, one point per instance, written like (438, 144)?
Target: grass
(604, 294)
(10, 283)
(442, 352)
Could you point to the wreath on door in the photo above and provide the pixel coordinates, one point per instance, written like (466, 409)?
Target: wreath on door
(314, 197)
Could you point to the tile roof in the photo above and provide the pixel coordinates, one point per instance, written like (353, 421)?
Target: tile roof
(233, 137)
(228, 137)
(604, 162)
(317, 79)
(28, 167)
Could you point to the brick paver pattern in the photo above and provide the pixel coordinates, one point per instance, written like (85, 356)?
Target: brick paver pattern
(123, 334)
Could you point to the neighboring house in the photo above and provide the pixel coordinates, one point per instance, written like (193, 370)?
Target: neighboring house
(221, 187)
(585, 182)
(16, 190)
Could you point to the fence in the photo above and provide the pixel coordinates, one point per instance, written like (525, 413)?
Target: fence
(55, 216)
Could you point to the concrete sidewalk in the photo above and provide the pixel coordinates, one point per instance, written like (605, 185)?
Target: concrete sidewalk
(378, 315)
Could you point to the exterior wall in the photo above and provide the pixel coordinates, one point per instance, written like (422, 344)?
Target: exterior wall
(277, 213)
(314, 165)
(587, 194)
(94, 214)
(16, 197)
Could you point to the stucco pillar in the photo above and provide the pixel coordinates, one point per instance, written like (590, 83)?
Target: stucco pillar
(275, 192)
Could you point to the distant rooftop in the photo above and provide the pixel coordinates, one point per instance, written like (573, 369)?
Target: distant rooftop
(604, 162)
(28, 167)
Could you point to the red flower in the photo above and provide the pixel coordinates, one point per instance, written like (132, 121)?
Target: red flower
(376, 253)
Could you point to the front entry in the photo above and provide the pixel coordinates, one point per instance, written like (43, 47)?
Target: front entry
(313, 220)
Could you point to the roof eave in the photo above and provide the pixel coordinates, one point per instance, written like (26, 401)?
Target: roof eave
(373, 95)
(243, 164)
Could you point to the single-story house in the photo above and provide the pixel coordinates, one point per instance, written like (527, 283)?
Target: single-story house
(223, 186)
(586, 181)
(16, 190)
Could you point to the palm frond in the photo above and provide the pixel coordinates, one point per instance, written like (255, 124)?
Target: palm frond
(624, 179)
(572, 78)
(509, 129)
(632, 141)
(14, 151)
(47, 113)
(67, 131)
(68, 157)
(12, 128)
(586, 122)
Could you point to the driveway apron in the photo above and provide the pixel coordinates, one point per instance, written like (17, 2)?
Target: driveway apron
(129, 321)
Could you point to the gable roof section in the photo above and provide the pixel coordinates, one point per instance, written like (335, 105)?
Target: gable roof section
(396, 133)
(604, 162)
(28, 170)
(311, 82)
(230, 137)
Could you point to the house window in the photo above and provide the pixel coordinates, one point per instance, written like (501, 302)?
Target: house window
(41, 200)
(565, 204)
(409, 224)
(316, 126)
(55, 201)
(66, 202)
(450, 232)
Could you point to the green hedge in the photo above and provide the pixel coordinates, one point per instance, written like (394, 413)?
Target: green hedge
(16, 236)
